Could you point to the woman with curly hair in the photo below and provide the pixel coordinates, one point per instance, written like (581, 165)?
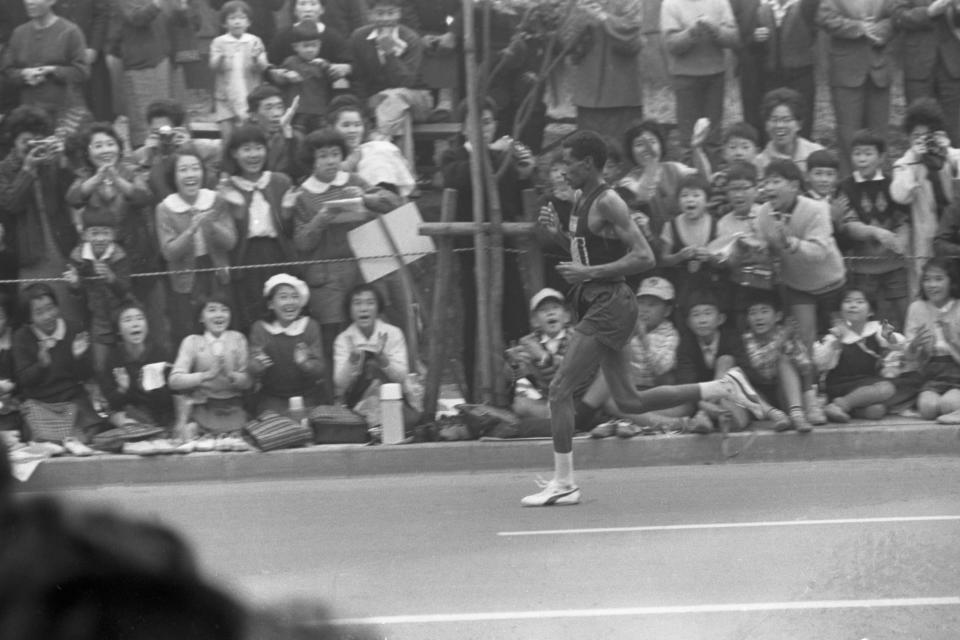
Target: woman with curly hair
(922, 178)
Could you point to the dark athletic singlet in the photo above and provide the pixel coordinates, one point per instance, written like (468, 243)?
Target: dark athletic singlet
(586, 247)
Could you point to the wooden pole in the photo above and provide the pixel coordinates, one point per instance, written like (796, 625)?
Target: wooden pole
(532, 257)
(413, 305)
(495, 314)
(441, 306)
(483, 388)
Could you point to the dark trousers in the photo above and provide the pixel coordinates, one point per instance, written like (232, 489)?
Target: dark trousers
(514, 321)
(699, 97)
(945, 88)
(863, 107)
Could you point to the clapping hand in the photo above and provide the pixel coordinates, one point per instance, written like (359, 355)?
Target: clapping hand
(301, 354)
(265, 361)
(122, 378)
(840, 329)
(386, 43)
(80, 344)
(215, 369)
(887, 239)
(103, 270)
(922, 341)
(286, 122)
(43, 355)
(71, 275)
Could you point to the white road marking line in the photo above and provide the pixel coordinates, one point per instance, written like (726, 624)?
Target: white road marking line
(730, 525)
(747, 607)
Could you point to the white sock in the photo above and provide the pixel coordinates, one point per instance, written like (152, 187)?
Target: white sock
(563, 467)
(713, 390)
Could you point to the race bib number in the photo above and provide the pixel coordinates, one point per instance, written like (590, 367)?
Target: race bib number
(578, 251)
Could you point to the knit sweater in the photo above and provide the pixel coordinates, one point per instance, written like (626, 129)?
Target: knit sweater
(813, 263)
(196, 357)
(870, 203)
(697, 54)
(62, 379)
(60, 45)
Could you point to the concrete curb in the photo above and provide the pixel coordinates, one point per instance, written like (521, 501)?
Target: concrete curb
(889, 439)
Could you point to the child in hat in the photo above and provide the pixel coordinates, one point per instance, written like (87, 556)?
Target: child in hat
(98, 271)
(286, 350)
(536, 358)
(307, 75)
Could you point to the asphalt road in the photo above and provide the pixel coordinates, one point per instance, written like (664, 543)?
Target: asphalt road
(831, 550)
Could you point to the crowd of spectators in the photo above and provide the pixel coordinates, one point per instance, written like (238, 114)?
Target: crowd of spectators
(153, 277)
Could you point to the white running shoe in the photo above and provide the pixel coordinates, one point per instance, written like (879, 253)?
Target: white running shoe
(742, 393)
(552, 494)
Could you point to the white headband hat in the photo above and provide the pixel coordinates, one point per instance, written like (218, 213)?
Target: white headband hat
(285, 278)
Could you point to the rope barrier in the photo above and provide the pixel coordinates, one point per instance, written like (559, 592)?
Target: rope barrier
(307, 263)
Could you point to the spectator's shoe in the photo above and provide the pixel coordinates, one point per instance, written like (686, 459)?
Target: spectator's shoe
(950, 418)
(163, 446)
(872, 412)
(604, 430)
(76, 448)
(205, 444)
(553, 494)
(741, 393)
(778, 419)
(799, 421)
(626, 429)
(702, 424)
(815, 412)
(836, 414)
(139, 448)
(231, 442)
(184, 446)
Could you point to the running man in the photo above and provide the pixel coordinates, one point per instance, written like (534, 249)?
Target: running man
(606, 245)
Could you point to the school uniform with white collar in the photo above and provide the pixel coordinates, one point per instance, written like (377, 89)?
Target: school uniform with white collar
(264, 236)
(285, 378)
(208, 247)
(329, 282)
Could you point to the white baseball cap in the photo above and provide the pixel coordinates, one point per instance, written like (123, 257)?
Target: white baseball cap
(285, 278)
(656, 287)
(545, 294)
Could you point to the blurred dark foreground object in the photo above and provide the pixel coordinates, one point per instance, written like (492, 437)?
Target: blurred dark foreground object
(80, 574)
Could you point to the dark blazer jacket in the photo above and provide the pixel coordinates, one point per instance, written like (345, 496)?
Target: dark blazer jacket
(926, 40)
(852, 57)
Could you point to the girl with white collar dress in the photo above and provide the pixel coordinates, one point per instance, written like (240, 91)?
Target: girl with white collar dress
(258, 201)
(195, 231)
(853, 355)
(327, 206)
(211, 368)
(286, 349)
(933, 341)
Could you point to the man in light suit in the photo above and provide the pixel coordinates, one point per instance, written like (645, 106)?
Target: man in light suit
(860, 70)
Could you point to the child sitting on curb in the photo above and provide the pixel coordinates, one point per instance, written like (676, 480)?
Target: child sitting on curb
(776, 362)
(705, 353)
(537, 357)
(852, 354)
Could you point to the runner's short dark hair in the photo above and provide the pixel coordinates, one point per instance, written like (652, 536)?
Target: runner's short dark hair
(587, 144)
